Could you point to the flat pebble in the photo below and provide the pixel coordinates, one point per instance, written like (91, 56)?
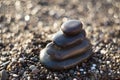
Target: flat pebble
(71, 27)
(81, 69)
(4, 53)
(21, 60)
(15, 75)
(3, 59)
(35, 70)
(5, 63)
(93, 68)
(32, 67)
(3, 75)
(34, 59)
(94, 65)
(62, 41)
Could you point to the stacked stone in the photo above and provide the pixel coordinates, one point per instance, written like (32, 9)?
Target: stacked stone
(68, 48)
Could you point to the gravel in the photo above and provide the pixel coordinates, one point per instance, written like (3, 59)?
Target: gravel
(27, 26)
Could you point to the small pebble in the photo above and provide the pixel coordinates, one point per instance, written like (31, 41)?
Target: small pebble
(3, 75)
(84, 72)
(5, 63)
(21, 60)
(14, 60)
(35, 70)
(56, 78)
(27, 18)
(4, 53)
(93, 68)
(101, 71)
(78, 73)
(3, 59)
(81, 70)
(103, 51)
(15, 75)
(108, 62)
(34, 59)
(94, 65)
(32, 67)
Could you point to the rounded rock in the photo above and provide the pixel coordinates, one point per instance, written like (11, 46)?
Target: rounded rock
(63, 54)
(61, 65)
(3, 75)
(64, 42)
(71, 27)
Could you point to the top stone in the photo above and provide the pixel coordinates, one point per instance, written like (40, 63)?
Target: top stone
(71, 27)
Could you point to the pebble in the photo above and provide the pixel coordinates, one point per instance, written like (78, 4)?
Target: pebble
(48, 62)
(27, 18)
(71, 27)
(28, 78)
(84, 72)
(3, 75)
(108, 62)
(67, 52)
(56, 78)
(81, 70)
(32, 67)
(78, 73)
(15, 75)
(18, 5)
(93, 68)
(62, 41)
(29, 5)
(4, 53)
(75, 79)
(35, 70)
(34, 59)
(101, 71)
(94, 65)
(35, 10)
(3, 59)
(14, 60)
(21, 60)
(103, 51)
(5, 63)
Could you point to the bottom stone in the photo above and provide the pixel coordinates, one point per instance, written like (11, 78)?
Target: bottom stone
(61, 65)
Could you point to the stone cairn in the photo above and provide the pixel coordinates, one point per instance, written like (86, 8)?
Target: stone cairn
(69, 47)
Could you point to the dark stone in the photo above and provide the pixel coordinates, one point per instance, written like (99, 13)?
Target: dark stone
(64, 41)
(71, 27)
(3, 75)
(68, 48)
(63, 54)
(60, 65)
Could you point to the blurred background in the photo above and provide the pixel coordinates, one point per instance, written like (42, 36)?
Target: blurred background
(26, 26)
(19, 15)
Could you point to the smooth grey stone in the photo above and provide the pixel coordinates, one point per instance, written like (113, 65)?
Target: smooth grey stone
(62, 54)
(64, 41)
(3, 75)
(71, 27)
(46, 60)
